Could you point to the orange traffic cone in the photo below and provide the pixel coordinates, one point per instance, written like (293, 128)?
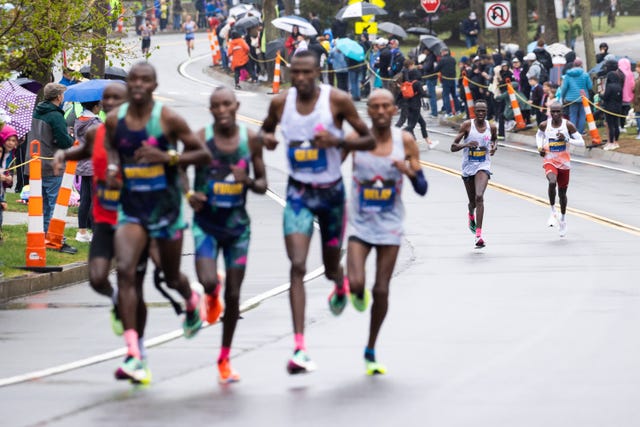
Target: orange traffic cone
(517, 114)
(36, 253)
(55, 233)
(591, 123)
(276, 76)
(469, 98)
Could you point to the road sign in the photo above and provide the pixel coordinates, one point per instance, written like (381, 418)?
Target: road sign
(430, 6)
(497, 15)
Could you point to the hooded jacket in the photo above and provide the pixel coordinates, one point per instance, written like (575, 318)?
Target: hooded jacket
(612, 97)
(574, 81)
(49, 127)
(627, 88)
(80, 128)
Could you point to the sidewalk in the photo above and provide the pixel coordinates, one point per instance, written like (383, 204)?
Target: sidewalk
(17, 218)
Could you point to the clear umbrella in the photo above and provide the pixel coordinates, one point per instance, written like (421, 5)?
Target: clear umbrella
(287, 23)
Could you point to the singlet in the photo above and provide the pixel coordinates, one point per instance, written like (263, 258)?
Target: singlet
(151, 193)
(477, 159)
(146, 33)
(105, 201)
(189, 28)
(307, 163)
(557, 152)
(376, 211)
(225, 215)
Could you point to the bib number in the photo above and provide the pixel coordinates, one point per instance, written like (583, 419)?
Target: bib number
(377, 198)
(313, 160)
(477, 154)
(108, 199)
(556, 146)
(145, 178)
(223, 194)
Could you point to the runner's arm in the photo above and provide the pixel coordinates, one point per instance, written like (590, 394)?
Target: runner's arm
(346, 110)
(464, 131)
(494, 139)
(540, 137)
(576, 137)
(259, 183)
(195, 152)
(267, 133)
(114, 179)
(414, 170)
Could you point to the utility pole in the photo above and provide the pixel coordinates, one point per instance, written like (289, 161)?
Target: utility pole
(587, 33)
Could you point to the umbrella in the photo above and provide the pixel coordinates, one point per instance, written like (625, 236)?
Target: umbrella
(287, 23)
(110, 73)
(351, 49)
(247, 22)
(30, 85)
(358, 10)
(392, 28)
(421, 30)
(273, 47)
(558, 49)
(432, 43)
(88, 91)
(19, 103)
(243, 9)
(598, 67)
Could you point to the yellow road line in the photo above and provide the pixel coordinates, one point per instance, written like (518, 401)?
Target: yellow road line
(543, 202)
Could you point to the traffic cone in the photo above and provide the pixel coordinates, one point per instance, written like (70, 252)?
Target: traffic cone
(591, 123)
(55, 233)
(120, 28)
(276, 76)
(217, 58)
(469, 98)
(35, 253)
(212, 46)
(517, 114)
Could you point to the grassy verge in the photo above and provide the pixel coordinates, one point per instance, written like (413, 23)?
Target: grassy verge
(14, 205)
(12, 250)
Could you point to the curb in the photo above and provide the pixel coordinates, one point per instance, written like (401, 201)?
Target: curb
(30, 284)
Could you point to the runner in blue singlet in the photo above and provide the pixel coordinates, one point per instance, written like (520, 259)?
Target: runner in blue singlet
(189, 28)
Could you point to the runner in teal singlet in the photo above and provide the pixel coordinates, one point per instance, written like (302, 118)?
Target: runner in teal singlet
(221, 221)
(141, 140)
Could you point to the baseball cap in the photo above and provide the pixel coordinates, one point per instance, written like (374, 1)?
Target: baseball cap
(515, 60)
(53, 90)
(382, 41)
(464, 59)
(472, 15)
(530, 56)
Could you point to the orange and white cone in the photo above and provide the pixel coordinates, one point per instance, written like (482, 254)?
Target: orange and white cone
(217, 58)
(275, 89)
(55, 233)
(591, 123)
(36, 252)
(517, 114)
(468, 97)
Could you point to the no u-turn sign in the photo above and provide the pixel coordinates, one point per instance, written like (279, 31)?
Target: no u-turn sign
(497, 15)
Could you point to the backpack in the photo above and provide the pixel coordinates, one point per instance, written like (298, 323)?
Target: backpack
(397, 62)
(544, 75)
(406, 88)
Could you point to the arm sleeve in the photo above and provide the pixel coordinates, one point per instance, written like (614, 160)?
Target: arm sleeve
(576, 139)
(419, 183)
(540, 139)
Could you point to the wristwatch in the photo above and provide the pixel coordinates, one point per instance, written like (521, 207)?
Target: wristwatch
(174, 157)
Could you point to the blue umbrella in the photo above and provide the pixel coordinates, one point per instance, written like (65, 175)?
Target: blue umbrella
(88, 91)
(351, 49)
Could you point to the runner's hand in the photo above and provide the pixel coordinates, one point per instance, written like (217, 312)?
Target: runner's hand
(472, 144)
(493, 149)
(197, 201)
(542, 152)
(150, 154)
(323, 139)
(58, 161)
(269, 141)
(239, 173)
(114, 181)
(560, 136)
(403, 166)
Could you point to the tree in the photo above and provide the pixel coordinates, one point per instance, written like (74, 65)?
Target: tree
(587, 33)
(35, 33)
(547, 16)
(522, 23)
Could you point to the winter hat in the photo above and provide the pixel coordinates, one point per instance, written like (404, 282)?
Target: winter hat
(6, 133)
(577, 62)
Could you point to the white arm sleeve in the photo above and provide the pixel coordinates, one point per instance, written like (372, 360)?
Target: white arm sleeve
(540, 139)
(576, 139)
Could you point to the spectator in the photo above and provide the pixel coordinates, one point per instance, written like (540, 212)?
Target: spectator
(627, 89)
(397, 58)
(536, 69)
(612, 105)
(68, 78)
(315, 21)
(374, 59)
(536, 97)
(49, 127)
(571, 30)
(316, 47)
(414, 103)
(636, 99)
(289, 44)
(238, 51)
(576, 80)
(177, 15)
(384, 64)
(516, 69)
(543, 56)
(164, 15)
(431, 79)
(8, 144)
(300, 44)
(339, 29)
(471, 29)
(355, 73)
(340, 68)
(447, 67)
(604, 51)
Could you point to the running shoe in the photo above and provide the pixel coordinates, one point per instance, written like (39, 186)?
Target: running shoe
(193, 320)
(116, 323)
(563, 228)
(147, 378)
(131, 369)
(375, 368)
(361, 304)
(337, 303)
(479, 243)
(84, 237)
(227, 374)
(553, 220)
(472, 224)
(300, 363)
(214, 308)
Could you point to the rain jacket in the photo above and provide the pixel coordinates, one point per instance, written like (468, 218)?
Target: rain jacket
(49, 127)
(574, 81)
(627, 89)
(238, 50)
(80, 128)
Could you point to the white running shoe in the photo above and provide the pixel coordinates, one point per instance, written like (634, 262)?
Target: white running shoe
(553, 220)
(563, 228)
(83, 237)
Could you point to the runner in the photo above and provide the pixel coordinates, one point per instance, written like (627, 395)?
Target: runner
(146, 30)
(221, 221)
(311, 119)
(376, 212)
(140, 140)
(189, 27)
(552, 138)
(479, 136)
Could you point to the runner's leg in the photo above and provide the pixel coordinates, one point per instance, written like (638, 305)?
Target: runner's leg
(297, 245)
(385, 262)
(357, 253)
(481, 180)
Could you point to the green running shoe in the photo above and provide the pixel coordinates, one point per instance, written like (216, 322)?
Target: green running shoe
(301, 363)
(361, 304)
(337, 303)
(147, 377)
(116, 323)
(375, 368)
(472, 224)
(131, 369)
(192, 323)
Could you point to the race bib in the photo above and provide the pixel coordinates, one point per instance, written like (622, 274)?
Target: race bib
(224, 194)
(477, 154)
(377, 198)
(310, 159)
(108, 199)
(144, 178)
(556, 146)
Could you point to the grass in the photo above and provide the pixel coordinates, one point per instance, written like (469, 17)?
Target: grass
(13, 205)
(12, 250)
(624, 25)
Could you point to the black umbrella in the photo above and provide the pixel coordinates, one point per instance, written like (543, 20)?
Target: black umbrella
(110, 73)
(358, 10)
(421, 30)
(273, 47)
(391, 28)
(432, 43)
(247, 22)
(30, 85)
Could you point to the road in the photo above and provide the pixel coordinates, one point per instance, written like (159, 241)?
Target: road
(533, 330)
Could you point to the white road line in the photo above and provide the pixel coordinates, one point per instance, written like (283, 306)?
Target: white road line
(182, 70)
